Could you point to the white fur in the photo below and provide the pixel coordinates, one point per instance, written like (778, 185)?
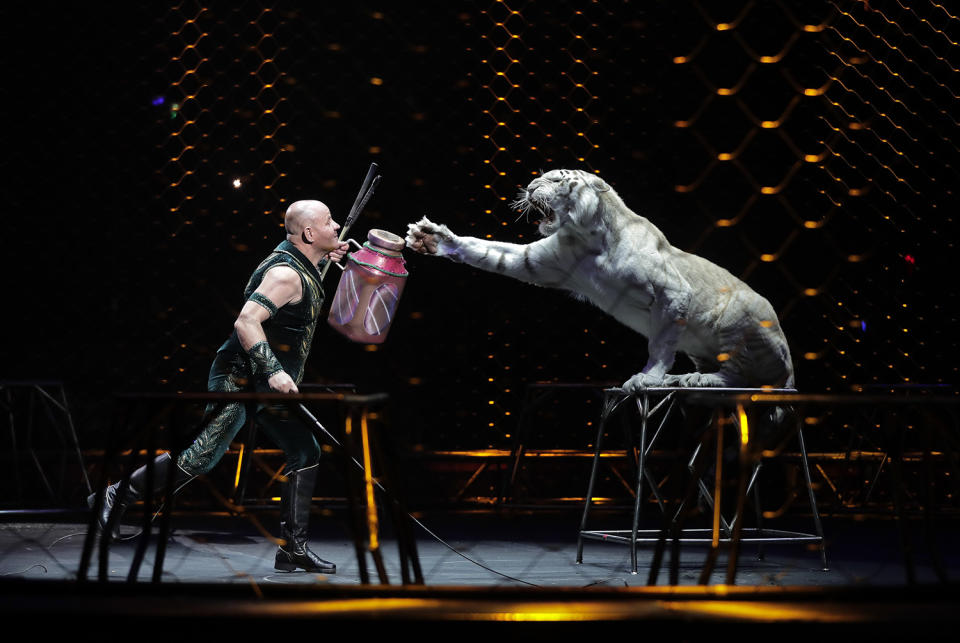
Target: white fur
(597, 248)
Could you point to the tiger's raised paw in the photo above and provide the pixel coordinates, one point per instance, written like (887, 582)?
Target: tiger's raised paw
(429, 238)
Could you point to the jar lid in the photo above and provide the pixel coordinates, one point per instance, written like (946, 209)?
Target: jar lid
(385, 239)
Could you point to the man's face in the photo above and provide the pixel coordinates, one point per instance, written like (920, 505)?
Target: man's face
(325, 230)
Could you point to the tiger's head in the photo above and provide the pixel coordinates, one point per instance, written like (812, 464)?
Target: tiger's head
(562, 197)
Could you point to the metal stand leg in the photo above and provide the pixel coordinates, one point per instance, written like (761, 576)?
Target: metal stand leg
(353, 497)
(245, 459)
(745, 456)
(13, 445)
(813, 499)
(507, 481)
(757, 509)
(641, 471)
(373, 522)
(718, 485)
(609, 404)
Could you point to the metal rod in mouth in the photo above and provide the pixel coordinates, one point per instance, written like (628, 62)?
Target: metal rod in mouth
(371, 172)
(370, 183)
(363, 203)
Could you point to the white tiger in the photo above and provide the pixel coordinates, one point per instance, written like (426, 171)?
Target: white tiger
(599, 249)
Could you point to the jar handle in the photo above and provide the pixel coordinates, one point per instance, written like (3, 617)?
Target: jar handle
(354, 242)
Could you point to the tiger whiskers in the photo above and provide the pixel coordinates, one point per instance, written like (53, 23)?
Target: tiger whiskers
(526, 204)
(522, 203)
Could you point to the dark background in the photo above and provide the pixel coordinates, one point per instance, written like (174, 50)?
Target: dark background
(126, 246)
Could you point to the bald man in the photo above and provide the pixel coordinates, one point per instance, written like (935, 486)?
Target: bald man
(266, 352)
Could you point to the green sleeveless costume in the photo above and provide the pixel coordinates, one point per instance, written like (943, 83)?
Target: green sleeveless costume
(289, 333)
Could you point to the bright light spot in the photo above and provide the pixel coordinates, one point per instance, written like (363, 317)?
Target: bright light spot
(237, 183)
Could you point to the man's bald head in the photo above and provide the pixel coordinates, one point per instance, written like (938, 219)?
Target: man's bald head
(302, 214)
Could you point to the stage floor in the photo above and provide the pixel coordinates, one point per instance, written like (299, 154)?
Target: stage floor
(218, 573)
(527, 549)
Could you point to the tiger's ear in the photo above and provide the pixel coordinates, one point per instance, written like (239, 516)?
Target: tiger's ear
(597, 183)
(589, 206)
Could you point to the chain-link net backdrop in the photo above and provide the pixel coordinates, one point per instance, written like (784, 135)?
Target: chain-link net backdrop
(809, 147)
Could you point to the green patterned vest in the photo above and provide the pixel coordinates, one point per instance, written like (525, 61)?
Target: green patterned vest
(290, 330)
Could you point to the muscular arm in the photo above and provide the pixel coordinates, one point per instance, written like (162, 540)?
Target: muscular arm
(280, 286)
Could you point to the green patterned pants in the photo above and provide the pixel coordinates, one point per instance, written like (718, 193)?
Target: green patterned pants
(230, 374)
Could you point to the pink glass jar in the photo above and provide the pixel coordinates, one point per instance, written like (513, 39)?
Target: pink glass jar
(370, 287)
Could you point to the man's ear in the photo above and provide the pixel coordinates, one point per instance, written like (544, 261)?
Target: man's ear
(307, 238)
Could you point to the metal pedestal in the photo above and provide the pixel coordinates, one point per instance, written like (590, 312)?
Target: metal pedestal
(656, 406)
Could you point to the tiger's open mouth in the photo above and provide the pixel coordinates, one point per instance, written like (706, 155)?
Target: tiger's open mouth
(528, 206)
(546, 215)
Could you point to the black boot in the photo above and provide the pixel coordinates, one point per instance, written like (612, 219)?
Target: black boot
(115, 502)
(295, 496)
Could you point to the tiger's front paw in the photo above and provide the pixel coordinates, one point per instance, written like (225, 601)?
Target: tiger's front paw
(641, 381)
(698, 380)
(429, 238)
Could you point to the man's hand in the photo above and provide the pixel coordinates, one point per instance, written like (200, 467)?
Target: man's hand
(337, 254)
(281, 382)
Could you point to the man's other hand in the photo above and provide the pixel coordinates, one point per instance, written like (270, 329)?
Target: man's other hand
(281, 382)
(337, 254)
